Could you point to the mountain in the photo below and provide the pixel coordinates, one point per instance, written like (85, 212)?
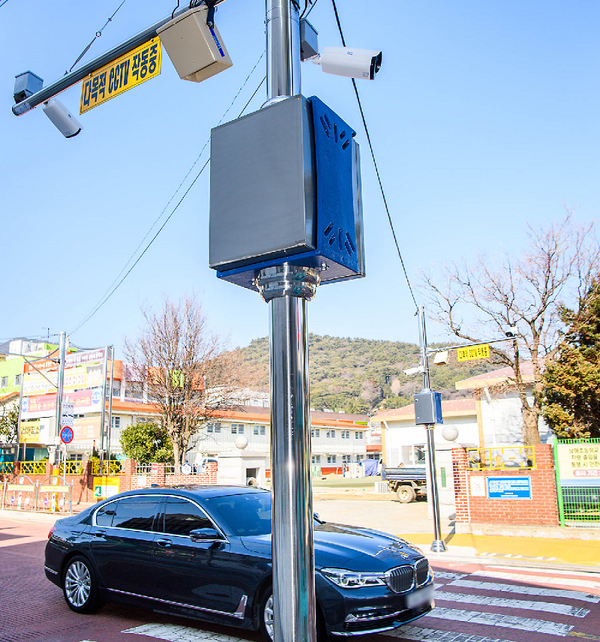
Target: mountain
(362, 375)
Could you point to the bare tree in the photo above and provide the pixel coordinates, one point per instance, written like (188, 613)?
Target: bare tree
(483, 300)
(185, 369)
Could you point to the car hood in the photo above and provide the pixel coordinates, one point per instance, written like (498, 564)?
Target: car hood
(349, 547)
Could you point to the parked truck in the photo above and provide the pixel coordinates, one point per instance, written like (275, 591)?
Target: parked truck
(408, 483)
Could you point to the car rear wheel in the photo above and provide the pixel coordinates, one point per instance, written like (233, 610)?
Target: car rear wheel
(80, 587)
(266, 619)
(406, 494)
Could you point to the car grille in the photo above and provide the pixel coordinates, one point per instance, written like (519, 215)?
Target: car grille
(422, 568)
(404, 578)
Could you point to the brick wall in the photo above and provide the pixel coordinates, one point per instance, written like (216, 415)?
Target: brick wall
(474, 508)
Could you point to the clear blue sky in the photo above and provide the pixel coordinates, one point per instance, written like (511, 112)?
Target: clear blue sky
(485, 115)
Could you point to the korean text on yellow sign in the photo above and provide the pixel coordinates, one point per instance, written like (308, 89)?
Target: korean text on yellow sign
(129, 70)
(473, 352)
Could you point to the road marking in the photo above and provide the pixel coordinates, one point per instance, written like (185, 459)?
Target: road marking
(526, 590)
(444, 575)
(495, 619)
(434, 635)
(502, 602)
(175, 633)
(542, 579)
(551, 571)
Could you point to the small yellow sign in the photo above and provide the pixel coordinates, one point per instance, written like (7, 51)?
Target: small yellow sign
(473, 352)
(131, 69)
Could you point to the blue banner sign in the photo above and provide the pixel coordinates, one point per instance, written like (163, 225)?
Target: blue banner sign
(509, 487)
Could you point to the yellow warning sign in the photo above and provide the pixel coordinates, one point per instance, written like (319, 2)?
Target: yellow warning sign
(131, 69)
(473, 352)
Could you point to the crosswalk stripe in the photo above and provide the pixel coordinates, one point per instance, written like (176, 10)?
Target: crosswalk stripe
(502, 602)
(176, 633)
(496, 619)
(528, 579)
(435, 635)
(526, 590)
(444, 575)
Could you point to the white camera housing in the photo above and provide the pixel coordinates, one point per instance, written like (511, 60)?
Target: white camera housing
(511, 332)
(60, 116)
(413, 371)
(348, 62)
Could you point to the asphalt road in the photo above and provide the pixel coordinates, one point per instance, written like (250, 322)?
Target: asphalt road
(474, 601)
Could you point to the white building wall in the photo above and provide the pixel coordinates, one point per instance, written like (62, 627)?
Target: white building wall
(405, 441)
(502, 420)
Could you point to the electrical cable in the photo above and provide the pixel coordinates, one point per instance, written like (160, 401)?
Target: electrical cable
(3, 3)
(385, 203)
(98, 34)
(306, 13)
(112, 288)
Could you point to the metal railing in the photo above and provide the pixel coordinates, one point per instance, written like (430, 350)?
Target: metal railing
(501, 458)
(111, 467)
(143, 469)
(32, 467)
(7, 467)
(71, 468)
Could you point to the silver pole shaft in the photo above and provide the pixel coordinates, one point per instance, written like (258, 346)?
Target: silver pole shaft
(292, 514)
(283, 49)
(438, 544)
(293, 549)
(62, 350)
(110, 397)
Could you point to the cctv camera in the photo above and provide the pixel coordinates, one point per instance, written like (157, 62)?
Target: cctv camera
(352, 63)
(511, 332)
(66, 124)
(413, 371)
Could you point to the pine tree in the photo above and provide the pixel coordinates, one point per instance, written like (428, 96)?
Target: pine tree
(572, 378)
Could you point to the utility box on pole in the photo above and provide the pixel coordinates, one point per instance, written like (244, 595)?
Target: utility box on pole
(285, 188)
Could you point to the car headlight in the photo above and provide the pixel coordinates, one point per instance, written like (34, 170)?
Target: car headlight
(353, 579)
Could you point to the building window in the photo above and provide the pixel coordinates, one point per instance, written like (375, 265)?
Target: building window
(332, 459)
(315, 432)
(116, 388)
(345, 434)
(213, 428)
(17, 380)
(359, 434)
(316, 459)
(330, 434)
(346, 459)
(4, 382)
(116, 423)
(237, 429)
(259, 430)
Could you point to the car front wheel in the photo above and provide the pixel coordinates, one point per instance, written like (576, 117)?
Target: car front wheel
(266, 619)
(80, 587)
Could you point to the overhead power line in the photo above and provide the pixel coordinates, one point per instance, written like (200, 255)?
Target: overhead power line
(385, 203)
(98, 34)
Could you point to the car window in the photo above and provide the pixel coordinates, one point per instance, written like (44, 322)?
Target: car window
(183, 516)
(137, 513)
(245, 514)
(105, 514)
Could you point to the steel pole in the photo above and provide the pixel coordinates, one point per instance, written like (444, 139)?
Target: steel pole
(287, 289)
(438, 544)
(62, 350)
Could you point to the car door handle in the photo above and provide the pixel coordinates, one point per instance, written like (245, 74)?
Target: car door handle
(165, 543)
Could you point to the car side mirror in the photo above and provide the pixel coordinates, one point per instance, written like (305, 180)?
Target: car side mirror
(205, 535)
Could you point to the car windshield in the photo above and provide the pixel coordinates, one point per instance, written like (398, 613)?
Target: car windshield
(245, 514)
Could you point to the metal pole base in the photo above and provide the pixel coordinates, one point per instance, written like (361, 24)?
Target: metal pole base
(438, 546)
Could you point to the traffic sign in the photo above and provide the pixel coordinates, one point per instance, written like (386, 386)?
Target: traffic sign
(67, 414)
(481, 351)
(131, 69)
(66, 435)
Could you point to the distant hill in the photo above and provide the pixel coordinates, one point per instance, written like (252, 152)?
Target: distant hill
(362, 375)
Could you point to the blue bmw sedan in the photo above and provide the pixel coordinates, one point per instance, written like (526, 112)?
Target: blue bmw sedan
(205, 552)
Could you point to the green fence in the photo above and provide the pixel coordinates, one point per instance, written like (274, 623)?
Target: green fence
(577, 465)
